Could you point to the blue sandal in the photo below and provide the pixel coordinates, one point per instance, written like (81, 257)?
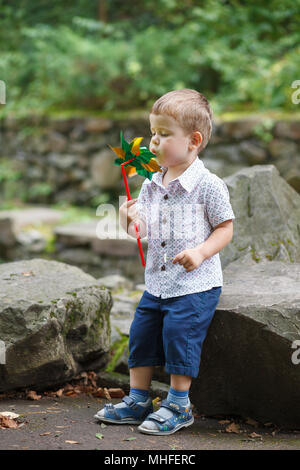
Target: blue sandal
(182, 417)
(134, 413)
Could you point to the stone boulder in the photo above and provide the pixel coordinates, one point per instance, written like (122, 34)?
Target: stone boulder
(267, 211)
(250, 362)
(54, 323)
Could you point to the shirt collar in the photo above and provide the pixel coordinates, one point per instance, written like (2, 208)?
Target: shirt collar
(187, 179)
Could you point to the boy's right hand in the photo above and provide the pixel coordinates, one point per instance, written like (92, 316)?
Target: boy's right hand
(128, 211)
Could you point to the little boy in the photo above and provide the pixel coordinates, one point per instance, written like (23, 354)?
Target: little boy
(183, 275)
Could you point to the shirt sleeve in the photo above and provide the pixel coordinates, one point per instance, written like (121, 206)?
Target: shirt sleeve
(217, 201)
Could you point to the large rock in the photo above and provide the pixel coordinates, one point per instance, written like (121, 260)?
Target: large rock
(249, 366)
(267, 211)
(54, 322)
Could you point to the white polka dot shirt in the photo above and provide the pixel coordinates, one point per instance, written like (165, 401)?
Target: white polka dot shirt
(179, 217)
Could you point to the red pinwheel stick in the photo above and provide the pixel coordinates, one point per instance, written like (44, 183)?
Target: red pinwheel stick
(129, 198)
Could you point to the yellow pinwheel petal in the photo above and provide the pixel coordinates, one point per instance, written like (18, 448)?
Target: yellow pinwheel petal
(136, 145)
(130, 170)
(118, 151)
(152, 165)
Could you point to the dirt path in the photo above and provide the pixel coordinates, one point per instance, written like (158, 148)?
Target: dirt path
(50, 422)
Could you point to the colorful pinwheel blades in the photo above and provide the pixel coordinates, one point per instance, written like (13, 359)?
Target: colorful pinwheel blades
(143, 162)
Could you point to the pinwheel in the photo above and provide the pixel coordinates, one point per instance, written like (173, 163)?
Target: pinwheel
(134, 160)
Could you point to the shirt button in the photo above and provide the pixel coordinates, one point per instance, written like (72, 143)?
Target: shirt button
(166, 196)
(163, 243)
(163, 268)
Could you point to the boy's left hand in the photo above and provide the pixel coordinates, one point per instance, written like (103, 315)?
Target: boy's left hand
(190, 258)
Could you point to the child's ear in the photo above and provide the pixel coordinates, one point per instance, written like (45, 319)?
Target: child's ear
(196, 139)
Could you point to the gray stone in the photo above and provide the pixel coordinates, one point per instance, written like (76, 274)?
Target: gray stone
(32, 216)
(267, 211)
(62, 161)
(115, 281)
(54, 321)
(103, 171)
(32, 240)
(97, 125)
(279, 148)
(221, 167)
(241, 129)
(254, 153)
(115, 379)
(247, 367)
(7, 232)
(122, 313)
(57, 142)
(288, 129)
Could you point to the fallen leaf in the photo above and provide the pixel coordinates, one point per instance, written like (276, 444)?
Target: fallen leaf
(233, 427)
(224, 421)
(252, 422)
(45, 434)
(71, 393)
(72, 442)
(9, 414)
(32, 395)
(129, 439)
(106, 394)
(254, 435)
(116, 392)
(6, 422)
(99, 436)
(102, 425)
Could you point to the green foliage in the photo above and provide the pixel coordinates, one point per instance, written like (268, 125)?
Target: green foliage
(241, 55)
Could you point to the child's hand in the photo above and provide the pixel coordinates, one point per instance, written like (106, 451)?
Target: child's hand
(128, 211)
(190, 258)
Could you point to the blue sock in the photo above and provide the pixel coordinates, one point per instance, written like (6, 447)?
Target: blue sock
(139, 395)
(178, 396)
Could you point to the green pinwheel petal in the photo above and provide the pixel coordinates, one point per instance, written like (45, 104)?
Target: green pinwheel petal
(146, 153)
(125, 146)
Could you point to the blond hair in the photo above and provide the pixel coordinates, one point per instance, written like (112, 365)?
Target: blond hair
(190, 109)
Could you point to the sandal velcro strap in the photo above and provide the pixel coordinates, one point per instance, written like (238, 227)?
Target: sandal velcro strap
(173, 406)
(156, 417)
(130, 402)
(111, 409)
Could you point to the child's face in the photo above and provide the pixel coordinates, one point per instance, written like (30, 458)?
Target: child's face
(169, 142)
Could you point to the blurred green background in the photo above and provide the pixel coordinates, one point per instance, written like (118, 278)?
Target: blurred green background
(104, 55)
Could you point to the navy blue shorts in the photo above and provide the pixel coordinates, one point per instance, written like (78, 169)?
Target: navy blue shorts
(171, 331)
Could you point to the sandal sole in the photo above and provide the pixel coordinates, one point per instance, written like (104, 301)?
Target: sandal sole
(124, 421)
(166, 433)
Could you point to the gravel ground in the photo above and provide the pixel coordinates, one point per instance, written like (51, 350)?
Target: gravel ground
(49, 422)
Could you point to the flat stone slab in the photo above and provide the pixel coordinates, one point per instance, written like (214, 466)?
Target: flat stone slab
(247, 365)
(85, 233)
(32, 216)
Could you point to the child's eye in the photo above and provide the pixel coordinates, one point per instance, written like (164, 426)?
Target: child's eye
(163, 135)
